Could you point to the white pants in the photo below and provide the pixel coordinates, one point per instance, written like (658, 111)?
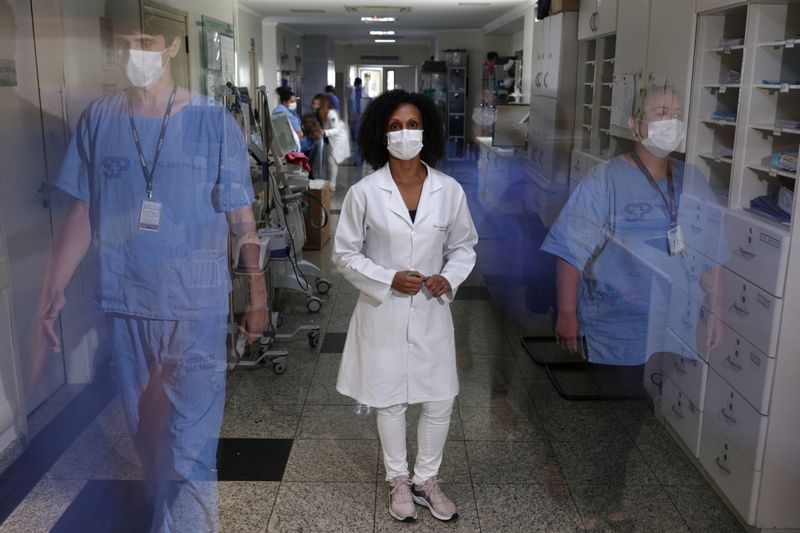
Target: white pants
(331, 167)
(431, 436)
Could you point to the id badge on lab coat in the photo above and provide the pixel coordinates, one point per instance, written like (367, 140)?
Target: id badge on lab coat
(150, 216)
(675, 240)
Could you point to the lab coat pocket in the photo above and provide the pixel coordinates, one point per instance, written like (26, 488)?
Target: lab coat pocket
(377, 324)
(438, 321)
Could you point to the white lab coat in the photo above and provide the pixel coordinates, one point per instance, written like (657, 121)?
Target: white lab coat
(338, 137)
(399, 348)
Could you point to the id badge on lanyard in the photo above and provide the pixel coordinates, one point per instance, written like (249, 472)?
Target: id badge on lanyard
(675, 241)
(150, 216)
(150, 212)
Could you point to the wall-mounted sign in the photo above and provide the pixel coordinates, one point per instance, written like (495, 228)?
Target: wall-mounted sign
(8, 73)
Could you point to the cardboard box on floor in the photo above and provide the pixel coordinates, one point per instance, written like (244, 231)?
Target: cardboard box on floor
(317, 237)
(557, 6)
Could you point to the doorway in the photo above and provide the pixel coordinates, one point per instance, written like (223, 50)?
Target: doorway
(379, 78)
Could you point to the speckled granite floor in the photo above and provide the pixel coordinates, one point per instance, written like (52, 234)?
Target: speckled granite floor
(297, 456)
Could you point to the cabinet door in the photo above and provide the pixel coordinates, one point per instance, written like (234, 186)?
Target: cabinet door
(554, 33)
(538, 53)
(632, 34)
(670, 47)
(586, 16)
(606, 20)
(26, 208)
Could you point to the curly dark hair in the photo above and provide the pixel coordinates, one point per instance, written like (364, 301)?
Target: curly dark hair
(372, 134)
(284, 94)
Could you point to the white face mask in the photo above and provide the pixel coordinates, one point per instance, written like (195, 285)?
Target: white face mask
(144, 68)
(292, 106)
(405, 144)
(663, 136)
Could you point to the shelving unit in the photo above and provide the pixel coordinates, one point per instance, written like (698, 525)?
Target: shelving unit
(593, 140)
(457, 62)
(743, 416)
(715, 91)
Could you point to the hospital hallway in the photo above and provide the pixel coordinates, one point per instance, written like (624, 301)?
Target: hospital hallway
(294, 455)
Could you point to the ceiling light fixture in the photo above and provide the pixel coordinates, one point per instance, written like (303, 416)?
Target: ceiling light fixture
(382, 32)
(306, 11)
(474, 4)
(369, 20)
(385, 40)
(378, 10)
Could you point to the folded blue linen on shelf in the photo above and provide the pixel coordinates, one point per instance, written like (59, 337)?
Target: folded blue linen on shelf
(727, 116)
(784, 160)
(767, 205)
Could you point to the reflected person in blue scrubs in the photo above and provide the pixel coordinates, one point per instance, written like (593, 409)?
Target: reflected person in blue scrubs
(159, 178)
(625, 265)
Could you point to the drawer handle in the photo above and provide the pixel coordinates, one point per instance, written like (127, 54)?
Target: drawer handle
(728, 416)
(678, 368)
(733, 364)
(740, 309)
(746, 253)
(676, 411)
(722, 466)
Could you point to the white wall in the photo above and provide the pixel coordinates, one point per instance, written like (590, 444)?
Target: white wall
(517, 41)
(527, 53)
(248, 26)
(269, 37)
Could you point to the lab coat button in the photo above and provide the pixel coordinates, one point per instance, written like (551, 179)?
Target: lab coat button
(413, 233)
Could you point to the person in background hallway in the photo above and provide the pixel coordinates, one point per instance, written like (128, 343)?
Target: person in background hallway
(313, 145)
(337, 147)
(287, 105)
(159, 177)
(406, 240)
(335, 104)
(356, 105)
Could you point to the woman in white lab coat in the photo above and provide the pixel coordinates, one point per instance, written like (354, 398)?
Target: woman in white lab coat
(406, 240)
(337, 136)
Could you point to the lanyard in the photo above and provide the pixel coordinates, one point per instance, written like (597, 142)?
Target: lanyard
(669, 202)
(148, 174)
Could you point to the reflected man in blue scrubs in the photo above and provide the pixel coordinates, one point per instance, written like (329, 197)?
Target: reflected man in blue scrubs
(159, 178)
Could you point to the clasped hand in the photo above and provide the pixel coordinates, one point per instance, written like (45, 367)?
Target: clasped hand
(409, 282)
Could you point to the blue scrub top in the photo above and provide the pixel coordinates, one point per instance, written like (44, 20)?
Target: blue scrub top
(613, 229)
(181, 271)
(281, 109)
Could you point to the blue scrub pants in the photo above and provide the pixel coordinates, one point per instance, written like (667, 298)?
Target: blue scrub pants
(354, 148)
(171, 376)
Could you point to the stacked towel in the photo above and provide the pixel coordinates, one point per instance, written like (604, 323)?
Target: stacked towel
(727, 116)
(784, 160)
(734, 41)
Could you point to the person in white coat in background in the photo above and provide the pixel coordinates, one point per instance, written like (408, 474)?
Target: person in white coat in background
(337, 137)
(406, 240)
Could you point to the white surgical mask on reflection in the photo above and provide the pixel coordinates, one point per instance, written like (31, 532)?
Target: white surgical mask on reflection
(144, 68)
(404, 144)
(663, 136)
(292, 106)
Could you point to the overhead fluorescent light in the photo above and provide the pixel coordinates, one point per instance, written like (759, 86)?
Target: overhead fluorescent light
(382, 32)
(385, 40)
(374, 10)
(377, 19)
(474, 4)
(308, 11)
